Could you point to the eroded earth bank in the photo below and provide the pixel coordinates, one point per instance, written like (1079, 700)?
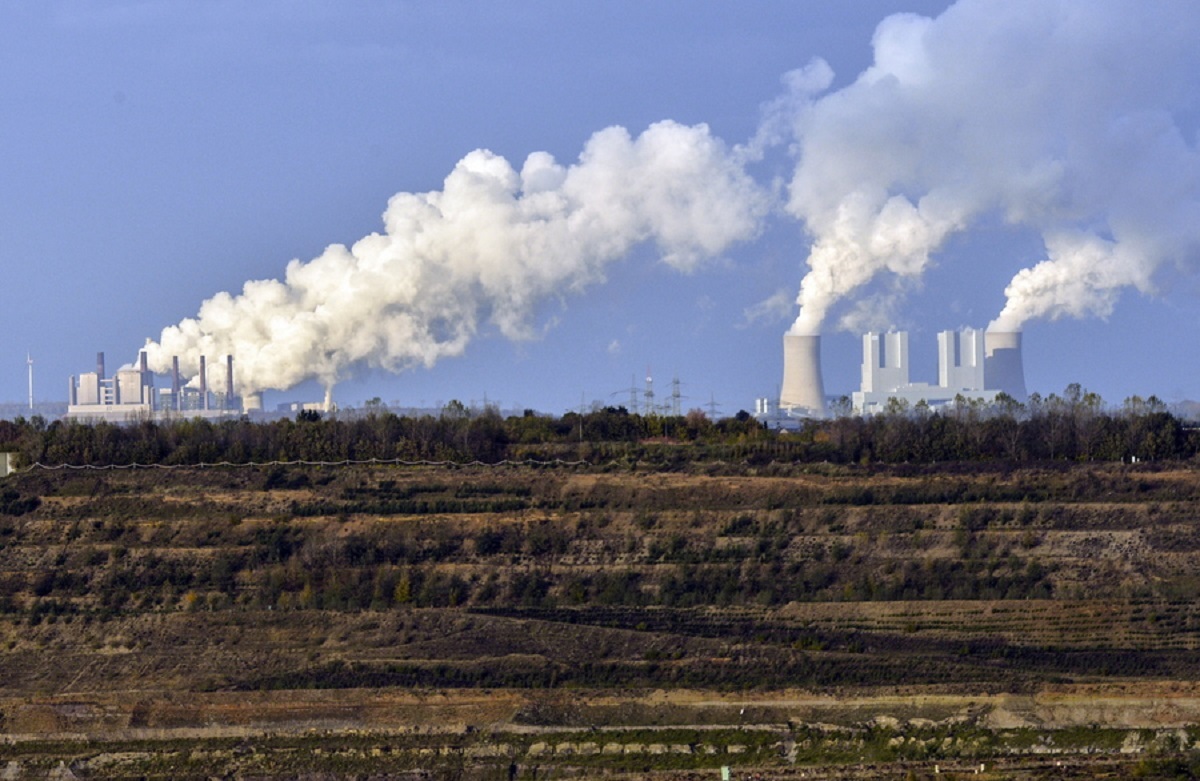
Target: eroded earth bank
(538, 622)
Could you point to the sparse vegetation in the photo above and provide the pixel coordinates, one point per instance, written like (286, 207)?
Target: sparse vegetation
(916, 608)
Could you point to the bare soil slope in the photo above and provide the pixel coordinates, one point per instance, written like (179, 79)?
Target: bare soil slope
(776, 617)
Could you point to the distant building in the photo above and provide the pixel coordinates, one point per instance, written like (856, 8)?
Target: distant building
(130, 395)
(126, 395)
(301, 406)
(885, 371)
(6, 463)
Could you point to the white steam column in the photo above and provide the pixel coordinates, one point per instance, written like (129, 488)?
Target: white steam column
(803, 388)
(252, 402)
(1003, 366)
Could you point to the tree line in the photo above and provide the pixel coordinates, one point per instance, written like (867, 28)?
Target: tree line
(1073, 426)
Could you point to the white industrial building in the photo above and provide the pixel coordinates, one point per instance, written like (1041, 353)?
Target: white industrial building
(127, 395)
(963, 364)
(972, 363)
(130, 395)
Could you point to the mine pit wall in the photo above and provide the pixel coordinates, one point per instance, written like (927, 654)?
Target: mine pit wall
(145, 716)
(405, 734)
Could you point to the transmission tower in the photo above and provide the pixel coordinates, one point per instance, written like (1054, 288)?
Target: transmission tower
(712, 406)
(633, 390)
(676, 397)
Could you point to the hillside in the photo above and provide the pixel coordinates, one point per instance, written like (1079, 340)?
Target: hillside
(493, 621)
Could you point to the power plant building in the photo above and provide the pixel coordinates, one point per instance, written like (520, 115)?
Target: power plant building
(972, 364)
(130, 395)
(1003, 364)
(127, 395)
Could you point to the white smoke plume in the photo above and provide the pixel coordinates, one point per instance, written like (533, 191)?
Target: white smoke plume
(1075, 119)
(487, 248)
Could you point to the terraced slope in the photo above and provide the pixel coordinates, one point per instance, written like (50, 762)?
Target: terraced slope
(900, 608)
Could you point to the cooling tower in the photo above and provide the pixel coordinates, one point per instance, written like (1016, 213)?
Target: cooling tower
(1003, 368)
(252, 402)
(802, 384)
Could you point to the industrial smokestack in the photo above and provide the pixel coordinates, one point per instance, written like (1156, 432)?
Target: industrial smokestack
(1003, 367)
(803, 387)
(329, 400)
(145, 379)
(203, 383)
(100, 366)
(175, 384)
(228, 382)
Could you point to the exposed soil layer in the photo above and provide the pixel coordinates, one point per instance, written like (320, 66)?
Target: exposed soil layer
(384, 621)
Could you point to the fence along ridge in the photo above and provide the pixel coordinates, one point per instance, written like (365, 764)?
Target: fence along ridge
(344, 462)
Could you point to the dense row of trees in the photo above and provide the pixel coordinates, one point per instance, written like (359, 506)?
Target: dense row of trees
(1075, 425)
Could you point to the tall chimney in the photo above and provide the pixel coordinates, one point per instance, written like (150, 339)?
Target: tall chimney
(203, 383)
(175, 384)
(145, 379)
(1003, 367)
(803, 387)
(228, 382)
(100, 366)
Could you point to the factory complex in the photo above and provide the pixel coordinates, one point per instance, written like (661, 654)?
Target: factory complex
(965, 370)
(129, 394)
(972, 364)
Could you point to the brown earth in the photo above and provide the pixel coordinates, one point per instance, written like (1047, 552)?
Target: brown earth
(809, 616)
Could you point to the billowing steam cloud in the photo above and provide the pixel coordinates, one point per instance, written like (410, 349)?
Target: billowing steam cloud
(1074, 119)
(1077, 120)
(485, 249)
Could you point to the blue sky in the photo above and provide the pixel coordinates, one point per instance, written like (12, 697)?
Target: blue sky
(155, 154)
